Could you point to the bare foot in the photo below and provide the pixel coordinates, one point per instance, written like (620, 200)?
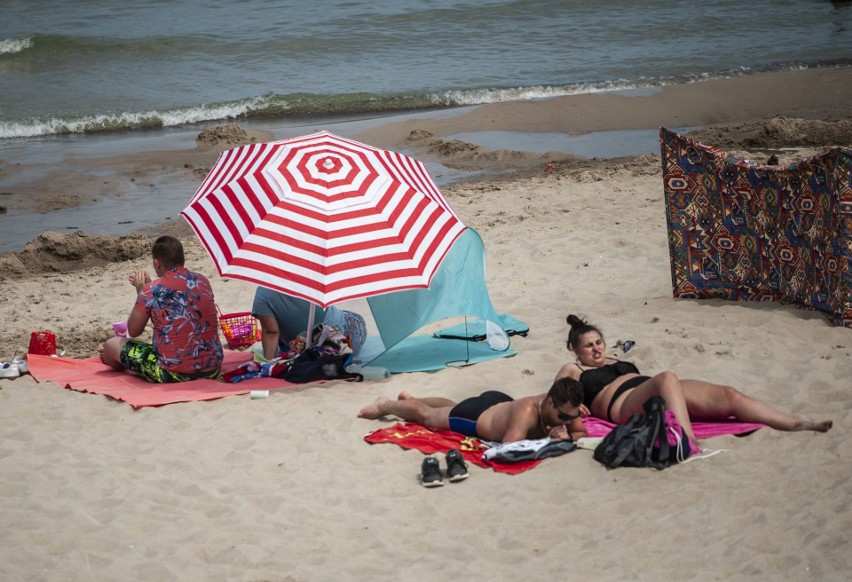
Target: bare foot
(374, 410)
(819, 426)
(404, 396)
(815, 425)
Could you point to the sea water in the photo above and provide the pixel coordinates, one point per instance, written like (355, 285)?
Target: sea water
(73, 75)
(97, 65)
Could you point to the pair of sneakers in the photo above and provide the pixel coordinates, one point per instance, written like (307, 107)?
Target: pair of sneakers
(14, 368)
(430, 470)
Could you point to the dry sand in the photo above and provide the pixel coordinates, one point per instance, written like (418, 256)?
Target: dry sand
(286, 489)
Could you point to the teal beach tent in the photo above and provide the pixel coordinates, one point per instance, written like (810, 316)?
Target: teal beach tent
(458, 289)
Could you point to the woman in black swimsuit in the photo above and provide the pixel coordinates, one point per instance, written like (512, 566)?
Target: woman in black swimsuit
(614, 389)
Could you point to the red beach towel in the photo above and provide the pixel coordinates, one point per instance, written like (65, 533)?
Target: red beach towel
(410, 435)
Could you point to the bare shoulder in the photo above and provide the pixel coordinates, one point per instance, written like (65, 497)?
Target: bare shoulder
(507, 421)
(521, 419)
(525, 412)
(569, 370)
(522, 412)
(526, 404)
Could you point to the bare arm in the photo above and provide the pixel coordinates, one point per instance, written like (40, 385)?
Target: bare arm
(138, 319)
(524, 418)
(577, 429)
(136, 322)
(574, 430)
(570, 370)
(270, 336)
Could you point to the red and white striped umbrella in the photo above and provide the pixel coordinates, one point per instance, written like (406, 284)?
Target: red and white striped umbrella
(323, 218)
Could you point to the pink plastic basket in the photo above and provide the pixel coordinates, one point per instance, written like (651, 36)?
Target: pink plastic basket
(240, 329)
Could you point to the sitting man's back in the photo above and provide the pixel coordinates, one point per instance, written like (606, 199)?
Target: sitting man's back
(183, 315)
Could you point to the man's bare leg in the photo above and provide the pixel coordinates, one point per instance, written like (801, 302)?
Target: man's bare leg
(411, 409)
(433, 401)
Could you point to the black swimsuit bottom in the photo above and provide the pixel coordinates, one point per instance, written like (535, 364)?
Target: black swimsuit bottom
(627, 385)
(464, 415)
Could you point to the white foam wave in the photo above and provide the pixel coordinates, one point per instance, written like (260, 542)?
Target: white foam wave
(172, 118)
(211, 112)
(483, 96)
(11, 46)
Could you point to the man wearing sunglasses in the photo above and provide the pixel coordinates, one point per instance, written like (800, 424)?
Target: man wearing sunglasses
(494, 416)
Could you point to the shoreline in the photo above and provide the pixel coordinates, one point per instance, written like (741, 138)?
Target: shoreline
(49, 188)
(824, 94)
(69, 187)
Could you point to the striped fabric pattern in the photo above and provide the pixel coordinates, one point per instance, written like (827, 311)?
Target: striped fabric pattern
(323, 218)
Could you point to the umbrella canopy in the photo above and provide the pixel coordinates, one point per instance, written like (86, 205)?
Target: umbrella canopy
(323, 218)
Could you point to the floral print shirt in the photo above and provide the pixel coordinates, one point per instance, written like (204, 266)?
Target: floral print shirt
(183, 314)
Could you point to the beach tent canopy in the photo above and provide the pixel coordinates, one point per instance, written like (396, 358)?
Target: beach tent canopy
(458, 289)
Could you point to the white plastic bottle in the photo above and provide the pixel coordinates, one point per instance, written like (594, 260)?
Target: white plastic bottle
(372, 373)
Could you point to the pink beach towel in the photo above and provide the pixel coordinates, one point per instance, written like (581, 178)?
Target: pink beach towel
(598, 427)
(93, 376)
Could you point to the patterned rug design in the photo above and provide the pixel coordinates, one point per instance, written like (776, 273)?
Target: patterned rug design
(742, 231)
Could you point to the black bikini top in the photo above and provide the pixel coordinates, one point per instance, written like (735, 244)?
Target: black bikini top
(595, 379)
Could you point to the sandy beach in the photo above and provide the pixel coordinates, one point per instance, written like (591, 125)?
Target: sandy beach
(285, 488)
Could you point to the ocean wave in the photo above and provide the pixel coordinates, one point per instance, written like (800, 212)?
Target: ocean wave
(10, 46)
(50, 45)
(305, 105)
(125, 121)
(502, 95)
(259, 107)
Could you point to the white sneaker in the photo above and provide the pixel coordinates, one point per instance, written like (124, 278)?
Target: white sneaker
(21, 363)
(8, 370)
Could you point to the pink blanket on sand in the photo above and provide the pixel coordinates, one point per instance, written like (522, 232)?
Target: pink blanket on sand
(597, 427)
(92, 375)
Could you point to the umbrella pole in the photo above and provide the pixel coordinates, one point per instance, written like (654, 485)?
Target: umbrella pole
(310, 333)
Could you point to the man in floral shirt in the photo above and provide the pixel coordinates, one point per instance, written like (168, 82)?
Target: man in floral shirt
(182, 311)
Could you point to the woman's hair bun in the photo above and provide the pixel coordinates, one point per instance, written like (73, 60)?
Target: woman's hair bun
(573, 320)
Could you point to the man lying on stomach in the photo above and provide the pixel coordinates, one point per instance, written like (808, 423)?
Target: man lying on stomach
(493, 415)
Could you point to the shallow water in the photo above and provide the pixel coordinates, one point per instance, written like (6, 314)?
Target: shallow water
(158, 200)
(599, 144)
(152, 202)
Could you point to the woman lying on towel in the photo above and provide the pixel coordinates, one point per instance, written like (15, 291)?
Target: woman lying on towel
(614, 390)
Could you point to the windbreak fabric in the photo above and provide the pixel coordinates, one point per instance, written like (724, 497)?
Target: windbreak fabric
(748, 232)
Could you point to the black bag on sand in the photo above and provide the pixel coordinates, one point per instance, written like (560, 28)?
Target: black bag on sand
(642, 442)
(313, 365)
